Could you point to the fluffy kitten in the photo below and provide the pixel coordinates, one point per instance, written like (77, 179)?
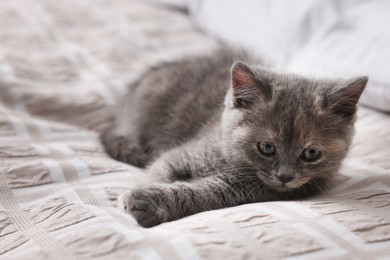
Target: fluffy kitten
(216, 136)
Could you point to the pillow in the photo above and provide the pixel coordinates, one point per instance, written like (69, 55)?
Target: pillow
(181, 4)
(327, 38)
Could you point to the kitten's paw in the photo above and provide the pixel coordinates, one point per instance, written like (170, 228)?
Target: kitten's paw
(118, 147)
(141, 205)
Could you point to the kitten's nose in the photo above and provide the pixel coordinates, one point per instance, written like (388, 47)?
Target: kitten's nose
(284, 177)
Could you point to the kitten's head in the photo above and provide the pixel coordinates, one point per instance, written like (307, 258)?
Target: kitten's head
(291, 130)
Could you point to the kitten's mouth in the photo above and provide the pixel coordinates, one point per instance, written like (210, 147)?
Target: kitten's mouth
(280, 186)
(297, 183)
(286, 186)
(294, 184)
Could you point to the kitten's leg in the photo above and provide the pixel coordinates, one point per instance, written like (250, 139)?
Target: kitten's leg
(185, 163)
(124, 149)
(159, 203)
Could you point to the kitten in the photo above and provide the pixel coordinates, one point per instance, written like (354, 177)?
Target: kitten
(212, 139)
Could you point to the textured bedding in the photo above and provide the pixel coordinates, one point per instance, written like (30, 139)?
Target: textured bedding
(62, 63)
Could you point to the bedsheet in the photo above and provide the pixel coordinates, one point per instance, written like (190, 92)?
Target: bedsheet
(62, 63)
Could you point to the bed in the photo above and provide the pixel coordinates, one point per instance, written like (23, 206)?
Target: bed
(62, 64)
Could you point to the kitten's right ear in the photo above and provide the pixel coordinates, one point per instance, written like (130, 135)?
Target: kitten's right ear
(247, 86)
(345, 98)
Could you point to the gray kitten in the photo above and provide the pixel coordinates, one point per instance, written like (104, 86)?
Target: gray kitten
(211, 139)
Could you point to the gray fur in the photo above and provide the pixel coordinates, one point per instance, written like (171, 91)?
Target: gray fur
(196, 124)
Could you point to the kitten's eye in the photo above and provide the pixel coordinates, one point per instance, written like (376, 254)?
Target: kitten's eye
(310, 155)
(266, 148)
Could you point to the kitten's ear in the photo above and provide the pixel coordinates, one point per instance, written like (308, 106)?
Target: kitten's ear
(346, 97)
(247, 86)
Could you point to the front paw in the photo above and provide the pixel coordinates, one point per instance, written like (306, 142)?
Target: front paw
(143, 205)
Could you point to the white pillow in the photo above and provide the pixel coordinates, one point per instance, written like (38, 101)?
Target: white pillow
(322, 38)
(182, 4)
(266, 28)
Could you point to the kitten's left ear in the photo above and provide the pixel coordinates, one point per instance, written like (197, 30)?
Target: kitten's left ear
(247, 86)
(346, 97)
